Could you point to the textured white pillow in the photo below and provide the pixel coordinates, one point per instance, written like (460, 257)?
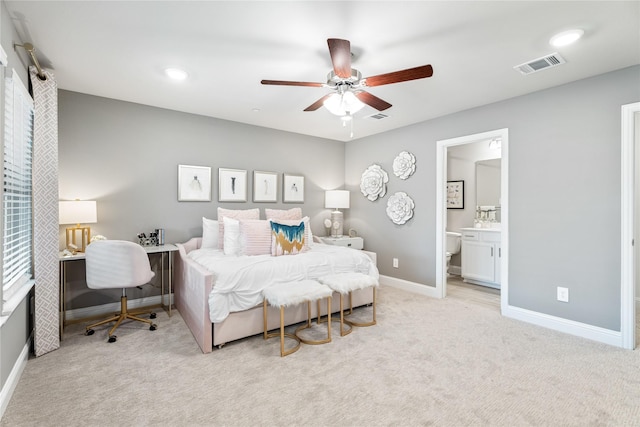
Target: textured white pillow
(278, 214)
(209, 233)
(235, 214)
(255, 237)
(231, 236)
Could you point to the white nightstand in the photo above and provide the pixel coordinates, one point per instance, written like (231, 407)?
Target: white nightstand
(351, 242)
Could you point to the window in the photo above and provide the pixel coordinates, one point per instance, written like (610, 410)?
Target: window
(17, 257)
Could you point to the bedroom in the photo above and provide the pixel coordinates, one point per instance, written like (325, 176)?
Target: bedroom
(125, 155)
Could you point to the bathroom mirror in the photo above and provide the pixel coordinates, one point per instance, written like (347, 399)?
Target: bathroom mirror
(488, 182)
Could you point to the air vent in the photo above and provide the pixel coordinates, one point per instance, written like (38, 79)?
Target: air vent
(540, 64)
(377, 116)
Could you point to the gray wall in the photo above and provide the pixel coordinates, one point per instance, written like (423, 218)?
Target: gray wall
(126, 156)
(564, 195)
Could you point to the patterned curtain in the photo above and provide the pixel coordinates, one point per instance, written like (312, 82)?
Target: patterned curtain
(45, 212)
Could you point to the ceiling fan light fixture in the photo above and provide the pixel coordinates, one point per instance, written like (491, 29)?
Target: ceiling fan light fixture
(343, 104)
(566, 38)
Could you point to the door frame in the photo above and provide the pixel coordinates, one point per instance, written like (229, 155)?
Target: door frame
(630, 149)
(441, 209)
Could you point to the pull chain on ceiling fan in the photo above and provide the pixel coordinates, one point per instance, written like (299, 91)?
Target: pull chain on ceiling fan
(348, 85)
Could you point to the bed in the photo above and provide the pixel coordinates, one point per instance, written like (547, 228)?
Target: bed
(220, 296)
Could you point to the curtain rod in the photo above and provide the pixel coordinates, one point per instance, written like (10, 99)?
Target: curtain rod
(32, 51)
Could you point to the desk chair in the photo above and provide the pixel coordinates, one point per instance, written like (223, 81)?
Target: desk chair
(118, 264)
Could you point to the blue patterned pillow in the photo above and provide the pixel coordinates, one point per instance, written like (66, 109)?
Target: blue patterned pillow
(286, 239)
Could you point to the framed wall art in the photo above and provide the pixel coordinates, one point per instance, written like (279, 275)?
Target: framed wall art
(293, 189)
(455, 194)
(232, 185)
(265, 186)
(194, 183)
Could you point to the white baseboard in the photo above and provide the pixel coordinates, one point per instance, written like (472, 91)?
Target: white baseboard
(559, 324)
(104, 309)
(414, 287)
(455, 269)
(14, 377)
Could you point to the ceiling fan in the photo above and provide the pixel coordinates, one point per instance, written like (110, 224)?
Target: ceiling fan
(348, 85)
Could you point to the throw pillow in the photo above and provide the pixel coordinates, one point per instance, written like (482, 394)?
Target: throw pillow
(255, 237)
(231, 236)
(287, 239)
(278, 214)
(209, 233)
(235, 214)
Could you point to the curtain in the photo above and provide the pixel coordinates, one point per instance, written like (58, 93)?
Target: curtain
(46, 267)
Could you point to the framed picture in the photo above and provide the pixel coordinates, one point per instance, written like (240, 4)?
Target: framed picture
(233, 185)
(194, 183)
(455, 194)
(265, 186)
(293, 189)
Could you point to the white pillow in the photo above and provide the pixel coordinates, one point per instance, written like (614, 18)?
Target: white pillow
(231, 236)
(209, 233)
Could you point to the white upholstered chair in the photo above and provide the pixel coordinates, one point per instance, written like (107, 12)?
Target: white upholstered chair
(118, 264)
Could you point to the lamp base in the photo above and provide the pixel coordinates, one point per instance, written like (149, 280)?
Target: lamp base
(85, 233)
(337, 222)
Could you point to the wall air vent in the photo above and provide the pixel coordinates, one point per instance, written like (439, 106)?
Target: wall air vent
(540, 64)
(377, 116)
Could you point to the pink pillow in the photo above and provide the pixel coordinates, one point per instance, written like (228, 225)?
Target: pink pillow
(278, 214)
(235, 214)
(255, 237)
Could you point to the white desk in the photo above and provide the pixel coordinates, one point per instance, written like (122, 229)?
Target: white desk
(167, 249)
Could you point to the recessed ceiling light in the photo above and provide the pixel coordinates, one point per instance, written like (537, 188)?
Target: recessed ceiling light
(566, 38)
(176, 73)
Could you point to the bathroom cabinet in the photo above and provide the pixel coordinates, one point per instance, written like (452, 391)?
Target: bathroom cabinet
(481, 256)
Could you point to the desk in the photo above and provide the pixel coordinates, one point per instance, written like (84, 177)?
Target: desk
(167, 249)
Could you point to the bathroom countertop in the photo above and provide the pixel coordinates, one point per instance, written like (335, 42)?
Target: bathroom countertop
(481, 229)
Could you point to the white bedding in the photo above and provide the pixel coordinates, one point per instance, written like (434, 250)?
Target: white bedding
(238, 281)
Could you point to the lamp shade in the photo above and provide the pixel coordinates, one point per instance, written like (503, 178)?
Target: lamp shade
(342, 104)
(77, 212)
(336, 199)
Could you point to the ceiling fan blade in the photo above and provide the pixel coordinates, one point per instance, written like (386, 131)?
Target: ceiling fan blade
(400, 76)
(372, 100)
(289, 83)
(318, 103)
(340, 51)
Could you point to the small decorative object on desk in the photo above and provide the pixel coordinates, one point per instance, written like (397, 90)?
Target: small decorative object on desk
(156, 238)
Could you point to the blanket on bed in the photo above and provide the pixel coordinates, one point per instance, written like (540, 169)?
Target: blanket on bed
(238, 281)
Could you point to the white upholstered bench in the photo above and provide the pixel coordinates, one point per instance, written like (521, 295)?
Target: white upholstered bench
(293, 293)
(346, 283)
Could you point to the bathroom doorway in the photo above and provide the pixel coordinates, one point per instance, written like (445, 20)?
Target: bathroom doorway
(468, 212)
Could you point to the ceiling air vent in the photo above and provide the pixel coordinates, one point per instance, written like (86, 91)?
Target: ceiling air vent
(540, 64)
(377, 116)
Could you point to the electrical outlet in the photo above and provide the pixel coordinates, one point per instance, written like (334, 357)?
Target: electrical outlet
(395, 263)
(563, 294)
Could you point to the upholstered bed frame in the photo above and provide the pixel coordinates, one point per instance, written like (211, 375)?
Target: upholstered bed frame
(193, 284)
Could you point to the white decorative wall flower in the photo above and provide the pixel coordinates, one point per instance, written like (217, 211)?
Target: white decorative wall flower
(374, 182)
(400, 208)
(404, 165)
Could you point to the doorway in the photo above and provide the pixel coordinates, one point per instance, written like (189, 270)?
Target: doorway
(630, 230)
(441, 206)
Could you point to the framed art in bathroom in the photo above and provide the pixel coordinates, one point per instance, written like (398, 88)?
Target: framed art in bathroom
(455, 194)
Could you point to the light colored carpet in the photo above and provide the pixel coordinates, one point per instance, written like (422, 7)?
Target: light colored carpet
(450, 362)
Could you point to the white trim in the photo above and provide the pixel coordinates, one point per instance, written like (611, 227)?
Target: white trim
(571, 327)
(627, 262)
(441, 210)
(14, 376)
(17, 295)
(110, 308)
(416, 288)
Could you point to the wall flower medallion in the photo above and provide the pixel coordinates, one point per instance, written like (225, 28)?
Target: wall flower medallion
(404, 165)
(400, 208)
(374, 182)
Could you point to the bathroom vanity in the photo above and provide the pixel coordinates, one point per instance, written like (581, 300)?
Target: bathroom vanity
(481, 256)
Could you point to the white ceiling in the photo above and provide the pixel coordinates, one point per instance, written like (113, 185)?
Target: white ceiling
(118, 49)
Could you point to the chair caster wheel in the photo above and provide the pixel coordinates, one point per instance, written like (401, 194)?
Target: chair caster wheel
(89, 332)
(112, 338)
(152, 316)
(153, 327)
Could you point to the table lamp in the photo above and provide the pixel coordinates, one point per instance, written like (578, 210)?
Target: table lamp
(77, 212)
(336, 199)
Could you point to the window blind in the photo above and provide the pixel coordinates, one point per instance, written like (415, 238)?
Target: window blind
(17, 257)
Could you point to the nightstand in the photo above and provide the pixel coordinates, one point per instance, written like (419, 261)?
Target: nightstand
(350, 242)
